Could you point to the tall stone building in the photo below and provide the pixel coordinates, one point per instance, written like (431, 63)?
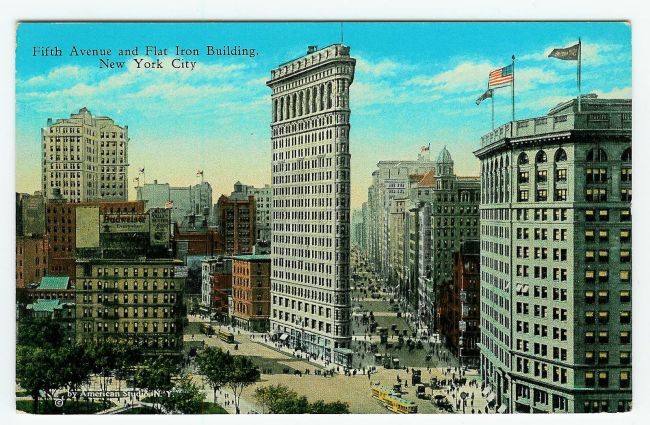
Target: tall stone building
(556, 259)
(191, 206)
(86, 158)
(263, 198)
(391, 180)
(311, 202)
(236, 218)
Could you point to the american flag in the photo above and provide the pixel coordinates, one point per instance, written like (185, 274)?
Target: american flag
(501, 77)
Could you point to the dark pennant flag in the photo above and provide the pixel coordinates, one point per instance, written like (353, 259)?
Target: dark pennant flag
(486, 95)
(567, 53)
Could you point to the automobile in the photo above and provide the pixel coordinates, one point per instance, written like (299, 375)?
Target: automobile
(420, 392)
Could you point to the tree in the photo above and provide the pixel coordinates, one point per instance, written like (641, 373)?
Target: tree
(104, 355)
(213, 364)
(39, 331)
(155, 375)
(128, 357)
(335, 407)
(186, 397)
(280, 399)
(241, 373)
(75, 368)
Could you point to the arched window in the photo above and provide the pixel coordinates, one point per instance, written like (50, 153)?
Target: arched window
(597, 155)
(523, 159)
(560, 155)
(627, 155)
(540, 157)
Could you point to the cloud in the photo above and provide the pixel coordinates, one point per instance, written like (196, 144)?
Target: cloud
(58, 75)
(384, 67)
(464, 77)
(616, 93)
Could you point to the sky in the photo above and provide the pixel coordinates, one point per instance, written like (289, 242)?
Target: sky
(415, 84)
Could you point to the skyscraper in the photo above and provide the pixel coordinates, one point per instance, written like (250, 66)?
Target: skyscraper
(310, 292)
(85, 158)
(556, 259)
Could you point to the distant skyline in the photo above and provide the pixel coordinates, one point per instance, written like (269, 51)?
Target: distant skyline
(415, 84)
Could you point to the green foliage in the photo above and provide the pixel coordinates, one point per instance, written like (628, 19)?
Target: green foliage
(280, 399)
(69, 408)
(186, 397)
(155, 375)
(240, 375)
(213, 364)
(39, 331)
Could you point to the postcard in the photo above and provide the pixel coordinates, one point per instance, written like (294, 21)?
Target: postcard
(323, 217)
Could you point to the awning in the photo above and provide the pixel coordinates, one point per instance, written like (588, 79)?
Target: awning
(283, 337)
(502, 408)
(491, 397)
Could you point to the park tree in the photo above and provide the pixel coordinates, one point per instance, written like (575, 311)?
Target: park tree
(129, 356)
(75, 368)
(155, 375)
(186, 397)
(280, 399)
(241, 373)
(213, 364)
(39, 331)
(103, 355)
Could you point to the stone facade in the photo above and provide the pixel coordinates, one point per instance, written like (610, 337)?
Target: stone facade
(556, 259)
(85, 158)
(311, 202)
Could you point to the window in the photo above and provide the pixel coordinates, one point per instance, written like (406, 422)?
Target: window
(624, 337)
(522, 159)
(603, 379)
(540, 158)
(560, 155)
(541, 195)
(624, 276)
(523, 177)
(542, 176)
(625, 317)
(624, 296)
(523, 196)
(624, 357)
(560, 194)
(603, 337)
(560, 175)
(627, 155)
(589, 378)
(625, 235)
(626, 195)
(603, 317)
(625, 379)
(597, 155)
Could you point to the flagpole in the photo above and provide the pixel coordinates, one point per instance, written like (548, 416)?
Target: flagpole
(513, 88)
(492, 99)
(579, 72)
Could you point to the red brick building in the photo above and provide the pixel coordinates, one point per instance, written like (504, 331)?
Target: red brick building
(221, 290)
(61, 224)
(31, 259)
(236, 222)
(251, 292)
(460, 305)
(198, 242)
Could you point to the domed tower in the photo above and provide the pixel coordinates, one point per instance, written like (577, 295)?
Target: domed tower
(444, 164)
(444, 170)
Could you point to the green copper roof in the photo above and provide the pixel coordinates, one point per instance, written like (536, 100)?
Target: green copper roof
(46, 305)
(54, 282)
(253, 257)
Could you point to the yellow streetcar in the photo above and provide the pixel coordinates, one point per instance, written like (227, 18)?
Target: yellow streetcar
(227, 337)
(392, 401)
